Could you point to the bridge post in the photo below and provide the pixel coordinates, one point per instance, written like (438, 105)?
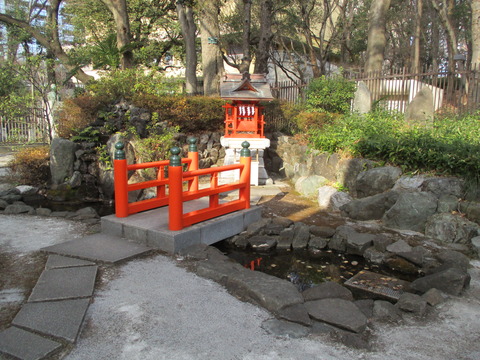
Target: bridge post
(246, 160)
(193, 155)
(120, 177)
(175, 182)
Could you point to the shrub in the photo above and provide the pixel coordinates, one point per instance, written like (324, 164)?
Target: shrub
(77, 113)
(332, 94)
(30, 166)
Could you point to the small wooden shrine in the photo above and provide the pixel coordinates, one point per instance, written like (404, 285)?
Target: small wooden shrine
(244, 116)
(244, 119)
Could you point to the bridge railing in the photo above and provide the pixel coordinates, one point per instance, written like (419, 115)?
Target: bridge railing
(172, 192)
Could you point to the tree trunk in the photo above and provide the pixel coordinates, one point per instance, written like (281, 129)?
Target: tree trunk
(476, 33)
(212, 61)
(187, 22)
(445, 13)
(118, 8)
(416, 66)
(247, 57)
(377, 40)
(263, 49)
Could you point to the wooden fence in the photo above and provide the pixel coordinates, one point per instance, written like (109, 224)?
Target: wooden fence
(31, 128)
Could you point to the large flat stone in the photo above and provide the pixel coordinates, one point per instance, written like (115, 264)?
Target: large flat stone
(58, 262)
(26, 345)
(99, 247)
(61, 319)
(67, 283)
(338, 312)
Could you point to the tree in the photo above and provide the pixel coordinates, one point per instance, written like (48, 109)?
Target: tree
(48, 37)
(187, 22)
(118, 8)
(262, 54)
(476, 33)
(212, 62)
(445, 10)
(377, 40)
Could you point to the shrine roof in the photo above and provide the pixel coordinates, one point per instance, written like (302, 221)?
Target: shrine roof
(245, 87)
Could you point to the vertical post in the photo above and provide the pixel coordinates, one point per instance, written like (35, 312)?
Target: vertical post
(175, 181)
(120, 177)
(246, 160)
(193, 155)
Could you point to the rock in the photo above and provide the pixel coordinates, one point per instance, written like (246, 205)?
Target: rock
(76, 180)
(308, 185)
(273, 229)
(376, 180)
(366, 307)
(19, 209)
(27, 189)
(416, 256)
(374, 256)
(433, 297)
(385, 311)
(475, 241)
(62, 158)
(330, 198)
(444, 186)
(447, 204)
(356, 341)
(412, 303)
(322, 231)
(86, 213)
(11, 198)
(400, 246)
(3, 204)
(339, 240)
(411, 211)
(326, 290)
(370, 208)
(453, 259)
(301, 236)
(268, 291)
(285, 239)
(296, 313)
(401, 265)
(285, 328)
(241, 241)
(43, 212)
(348, 170)
(325, 164)
(317, 243)
(362, 100)
(338, 312)
(451, 228)
(471, 210)
(420, 110)
(257, 226)
(451, 281)
(262, 242)
(381, 241)
(357, 243)
(283, 221)
(409, 183)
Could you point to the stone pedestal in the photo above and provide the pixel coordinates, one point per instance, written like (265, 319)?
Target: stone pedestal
(232, 156)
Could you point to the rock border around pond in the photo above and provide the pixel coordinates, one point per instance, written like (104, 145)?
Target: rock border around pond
(330, 308)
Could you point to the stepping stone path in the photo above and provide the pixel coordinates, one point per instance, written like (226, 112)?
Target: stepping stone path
(54, 313)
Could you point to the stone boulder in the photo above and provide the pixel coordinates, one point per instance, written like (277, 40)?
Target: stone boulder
(444, 186)
(357, 243)
(412, 303)
(330, 198)
(326, 165)
(370, 208)
(362, 100)
(301, 235)
(451, 281)
(338, 312)
(62, 158)
(409, 183)
(420, 110)
(385, 311)
(327, 290)
(308, 185)
(376, 180)
(411, 211)
(451, 228)
(348, 170)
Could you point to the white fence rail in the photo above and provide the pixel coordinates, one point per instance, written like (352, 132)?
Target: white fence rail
(31, 128)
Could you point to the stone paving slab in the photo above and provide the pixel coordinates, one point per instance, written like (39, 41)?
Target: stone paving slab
(58, 262)
(99, 247)
(61, 319)
(26, 345)
(67, 283)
